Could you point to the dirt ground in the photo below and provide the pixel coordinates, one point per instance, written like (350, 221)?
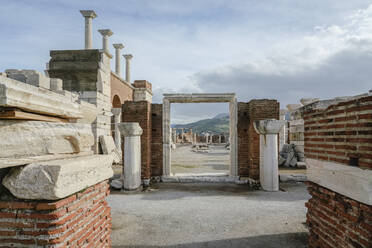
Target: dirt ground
(184, 160)
(210, 215)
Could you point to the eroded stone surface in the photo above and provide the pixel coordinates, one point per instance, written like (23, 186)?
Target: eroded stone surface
(16, 94)
(108, 147)
(56, 179)
(35, 138)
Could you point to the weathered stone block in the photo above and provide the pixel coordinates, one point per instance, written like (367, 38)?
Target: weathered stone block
(36, 100)
(57, 179)
(108, 147)
(56, 84)
(32, 77)
(35, 138)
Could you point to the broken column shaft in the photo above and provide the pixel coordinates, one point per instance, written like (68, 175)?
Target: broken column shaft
(268, 130)
(132, 154)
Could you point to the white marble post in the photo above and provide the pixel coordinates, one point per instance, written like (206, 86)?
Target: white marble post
(127, 57)
(132, 154)
(182, 135)
(118, 48)
(105, 34)
(117, 119)
(89, 15)
(268, 130)
(219, 139)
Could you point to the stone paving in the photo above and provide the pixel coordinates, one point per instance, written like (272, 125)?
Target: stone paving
(210, 215)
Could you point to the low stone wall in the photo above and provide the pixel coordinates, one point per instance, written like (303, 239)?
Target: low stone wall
(338, 136)
(337, 221)
(79, 220)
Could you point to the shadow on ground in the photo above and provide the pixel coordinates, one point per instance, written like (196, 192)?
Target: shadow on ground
(160, 192)
(287, 240)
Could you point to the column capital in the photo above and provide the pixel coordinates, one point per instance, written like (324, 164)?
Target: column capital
(105, 32)
(88, 13)
(130, 129)
(128, 56)
(269, 126)
(118, 46)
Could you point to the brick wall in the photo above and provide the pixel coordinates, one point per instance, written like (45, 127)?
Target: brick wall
(337, 221)
(142, 84)
(248, 139)
(80, 220)
(243, 138)
(121, 89)
(141, 112)
(341, 133)
(157, 140)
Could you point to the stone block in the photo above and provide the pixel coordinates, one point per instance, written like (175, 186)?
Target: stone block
(35, 138)
(56, 84)
(108, 147)
(32, 77)
(56, 179)
(36, 100)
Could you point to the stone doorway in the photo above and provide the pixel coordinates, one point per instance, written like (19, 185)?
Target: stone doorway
(199, 98)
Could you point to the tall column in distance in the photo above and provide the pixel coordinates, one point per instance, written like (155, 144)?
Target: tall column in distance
(132, 154)
(118, 48)
(268, 130)
(127, 57)
(106, 33)
(89, 15)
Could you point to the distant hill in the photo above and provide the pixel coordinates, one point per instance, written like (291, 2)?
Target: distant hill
(218, 124)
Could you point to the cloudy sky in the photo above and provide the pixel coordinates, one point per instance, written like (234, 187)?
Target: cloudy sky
(279, 49)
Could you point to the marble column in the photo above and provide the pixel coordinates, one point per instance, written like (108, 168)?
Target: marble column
(132, 154)
(118, 48)
(127, 57)
(106, 33)
(219, 139)
(89, 15)
(182, 135)
(268, 130)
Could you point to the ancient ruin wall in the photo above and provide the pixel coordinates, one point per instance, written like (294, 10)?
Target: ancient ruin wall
(121, 89)
(341, 133)
(157, 140)
(338, 146)
(79, 220)
(337, 221)
(248, 139)
(141, 112)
